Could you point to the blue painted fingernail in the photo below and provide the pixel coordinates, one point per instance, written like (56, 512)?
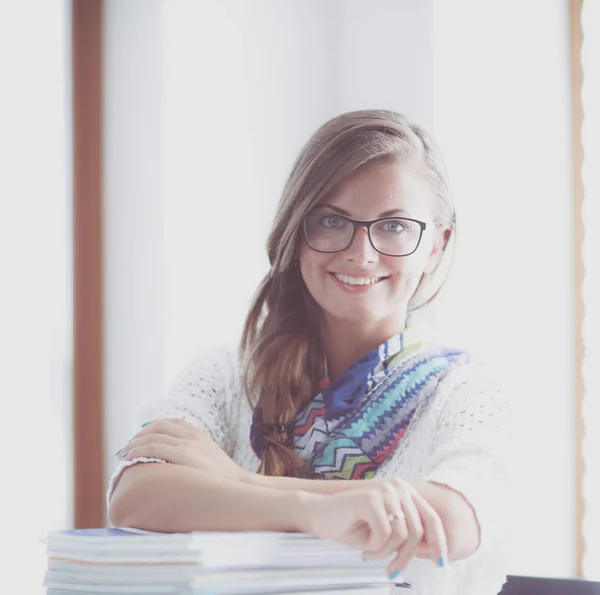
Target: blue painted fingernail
(442, 561)
(145, 424)
(124, 454)
(367, 559)
(394, 575)
(118, 451)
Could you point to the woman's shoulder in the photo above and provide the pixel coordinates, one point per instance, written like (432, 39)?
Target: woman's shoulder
(469, 370)
(471, 396)
(213, 370)
(473, 372)
(218, 357)
(205, 393)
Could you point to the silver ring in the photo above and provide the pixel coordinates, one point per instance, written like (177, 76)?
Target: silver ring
(397, 516)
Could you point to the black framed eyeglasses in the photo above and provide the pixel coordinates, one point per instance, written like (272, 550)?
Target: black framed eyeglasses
(390, 236)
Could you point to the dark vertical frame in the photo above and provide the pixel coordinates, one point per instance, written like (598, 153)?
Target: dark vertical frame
(89, 509)
(576, 39)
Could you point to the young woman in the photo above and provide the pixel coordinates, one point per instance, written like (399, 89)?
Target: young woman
(334, 382)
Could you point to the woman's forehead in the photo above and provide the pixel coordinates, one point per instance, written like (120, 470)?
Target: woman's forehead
(379, 188)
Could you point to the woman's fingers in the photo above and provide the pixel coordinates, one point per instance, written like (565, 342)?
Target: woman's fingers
(407, 550)
(393, 503)
(172, 426)
(356, 518)
(372, 512)
(145, 441)
(435, 535)
(427, 530)
(381, 522)
(184, 423)
(166, 449)
(389, 519)
(398, 536)
(169, 427)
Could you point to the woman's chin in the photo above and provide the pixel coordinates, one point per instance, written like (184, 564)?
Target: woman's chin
(354, 313)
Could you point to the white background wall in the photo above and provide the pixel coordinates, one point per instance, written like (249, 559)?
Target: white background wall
(133, 289)
(383, 56)
(35, 288)
(502, 115)
(244, 86)
(233, 127)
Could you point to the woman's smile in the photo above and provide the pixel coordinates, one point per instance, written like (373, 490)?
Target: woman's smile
(352, 284)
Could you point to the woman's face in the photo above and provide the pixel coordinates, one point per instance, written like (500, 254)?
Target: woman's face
(373, 191)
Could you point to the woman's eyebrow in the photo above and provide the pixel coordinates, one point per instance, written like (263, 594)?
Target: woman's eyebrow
(390, 213)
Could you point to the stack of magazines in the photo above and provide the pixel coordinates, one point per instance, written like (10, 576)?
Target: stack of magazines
(106, 561)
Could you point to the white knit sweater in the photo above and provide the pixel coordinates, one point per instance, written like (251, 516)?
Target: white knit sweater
(457, 438)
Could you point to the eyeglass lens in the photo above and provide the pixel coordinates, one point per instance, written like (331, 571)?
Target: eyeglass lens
(333, 233)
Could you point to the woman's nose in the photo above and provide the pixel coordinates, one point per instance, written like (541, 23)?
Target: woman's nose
(360, 250)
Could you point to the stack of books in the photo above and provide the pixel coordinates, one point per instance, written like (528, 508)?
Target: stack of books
(107, 561)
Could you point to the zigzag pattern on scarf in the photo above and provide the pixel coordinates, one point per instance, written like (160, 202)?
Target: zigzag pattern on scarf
(311, 442)
(356, 422)
(392, 401)
(340, 460)
(304, 424)
(357, 450)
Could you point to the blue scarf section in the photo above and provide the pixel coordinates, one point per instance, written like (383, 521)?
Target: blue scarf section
(356, 421)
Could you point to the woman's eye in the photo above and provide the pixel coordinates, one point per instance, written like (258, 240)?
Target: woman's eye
(332, 222)
(394, 226)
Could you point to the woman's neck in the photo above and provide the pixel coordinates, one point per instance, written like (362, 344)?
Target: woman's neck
(345, 342)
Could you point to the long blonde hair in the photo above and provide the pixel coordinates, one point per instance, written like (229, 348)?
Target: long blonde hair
(281, 348)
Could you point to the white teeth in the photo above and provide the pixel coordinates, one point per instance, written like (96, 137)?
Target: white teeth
(356, 280)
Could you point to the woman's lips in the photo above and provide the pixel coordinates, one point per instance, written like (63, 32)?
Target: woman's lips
(350, 288)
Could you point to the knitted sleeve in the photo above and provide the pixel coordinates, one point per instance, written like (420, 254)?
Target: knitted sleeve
(467, 446)
(204, 393)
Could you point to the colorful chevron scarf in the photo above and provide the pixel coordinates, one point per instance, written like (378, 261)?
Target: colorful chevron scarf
(356, 422)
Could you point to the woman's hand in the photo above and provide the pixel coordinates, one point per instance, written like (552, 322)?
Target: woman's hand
(179, 442)
(388, 518)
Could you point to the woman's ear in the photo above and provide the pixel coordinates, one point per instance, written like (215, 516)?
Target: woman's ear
(442, 239)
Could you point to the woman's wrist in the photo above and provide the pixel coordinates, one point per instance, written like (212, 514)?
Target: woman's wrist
(252, 479)
(246, 477)
(296, 504)
(313, 486)
(303, 510)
